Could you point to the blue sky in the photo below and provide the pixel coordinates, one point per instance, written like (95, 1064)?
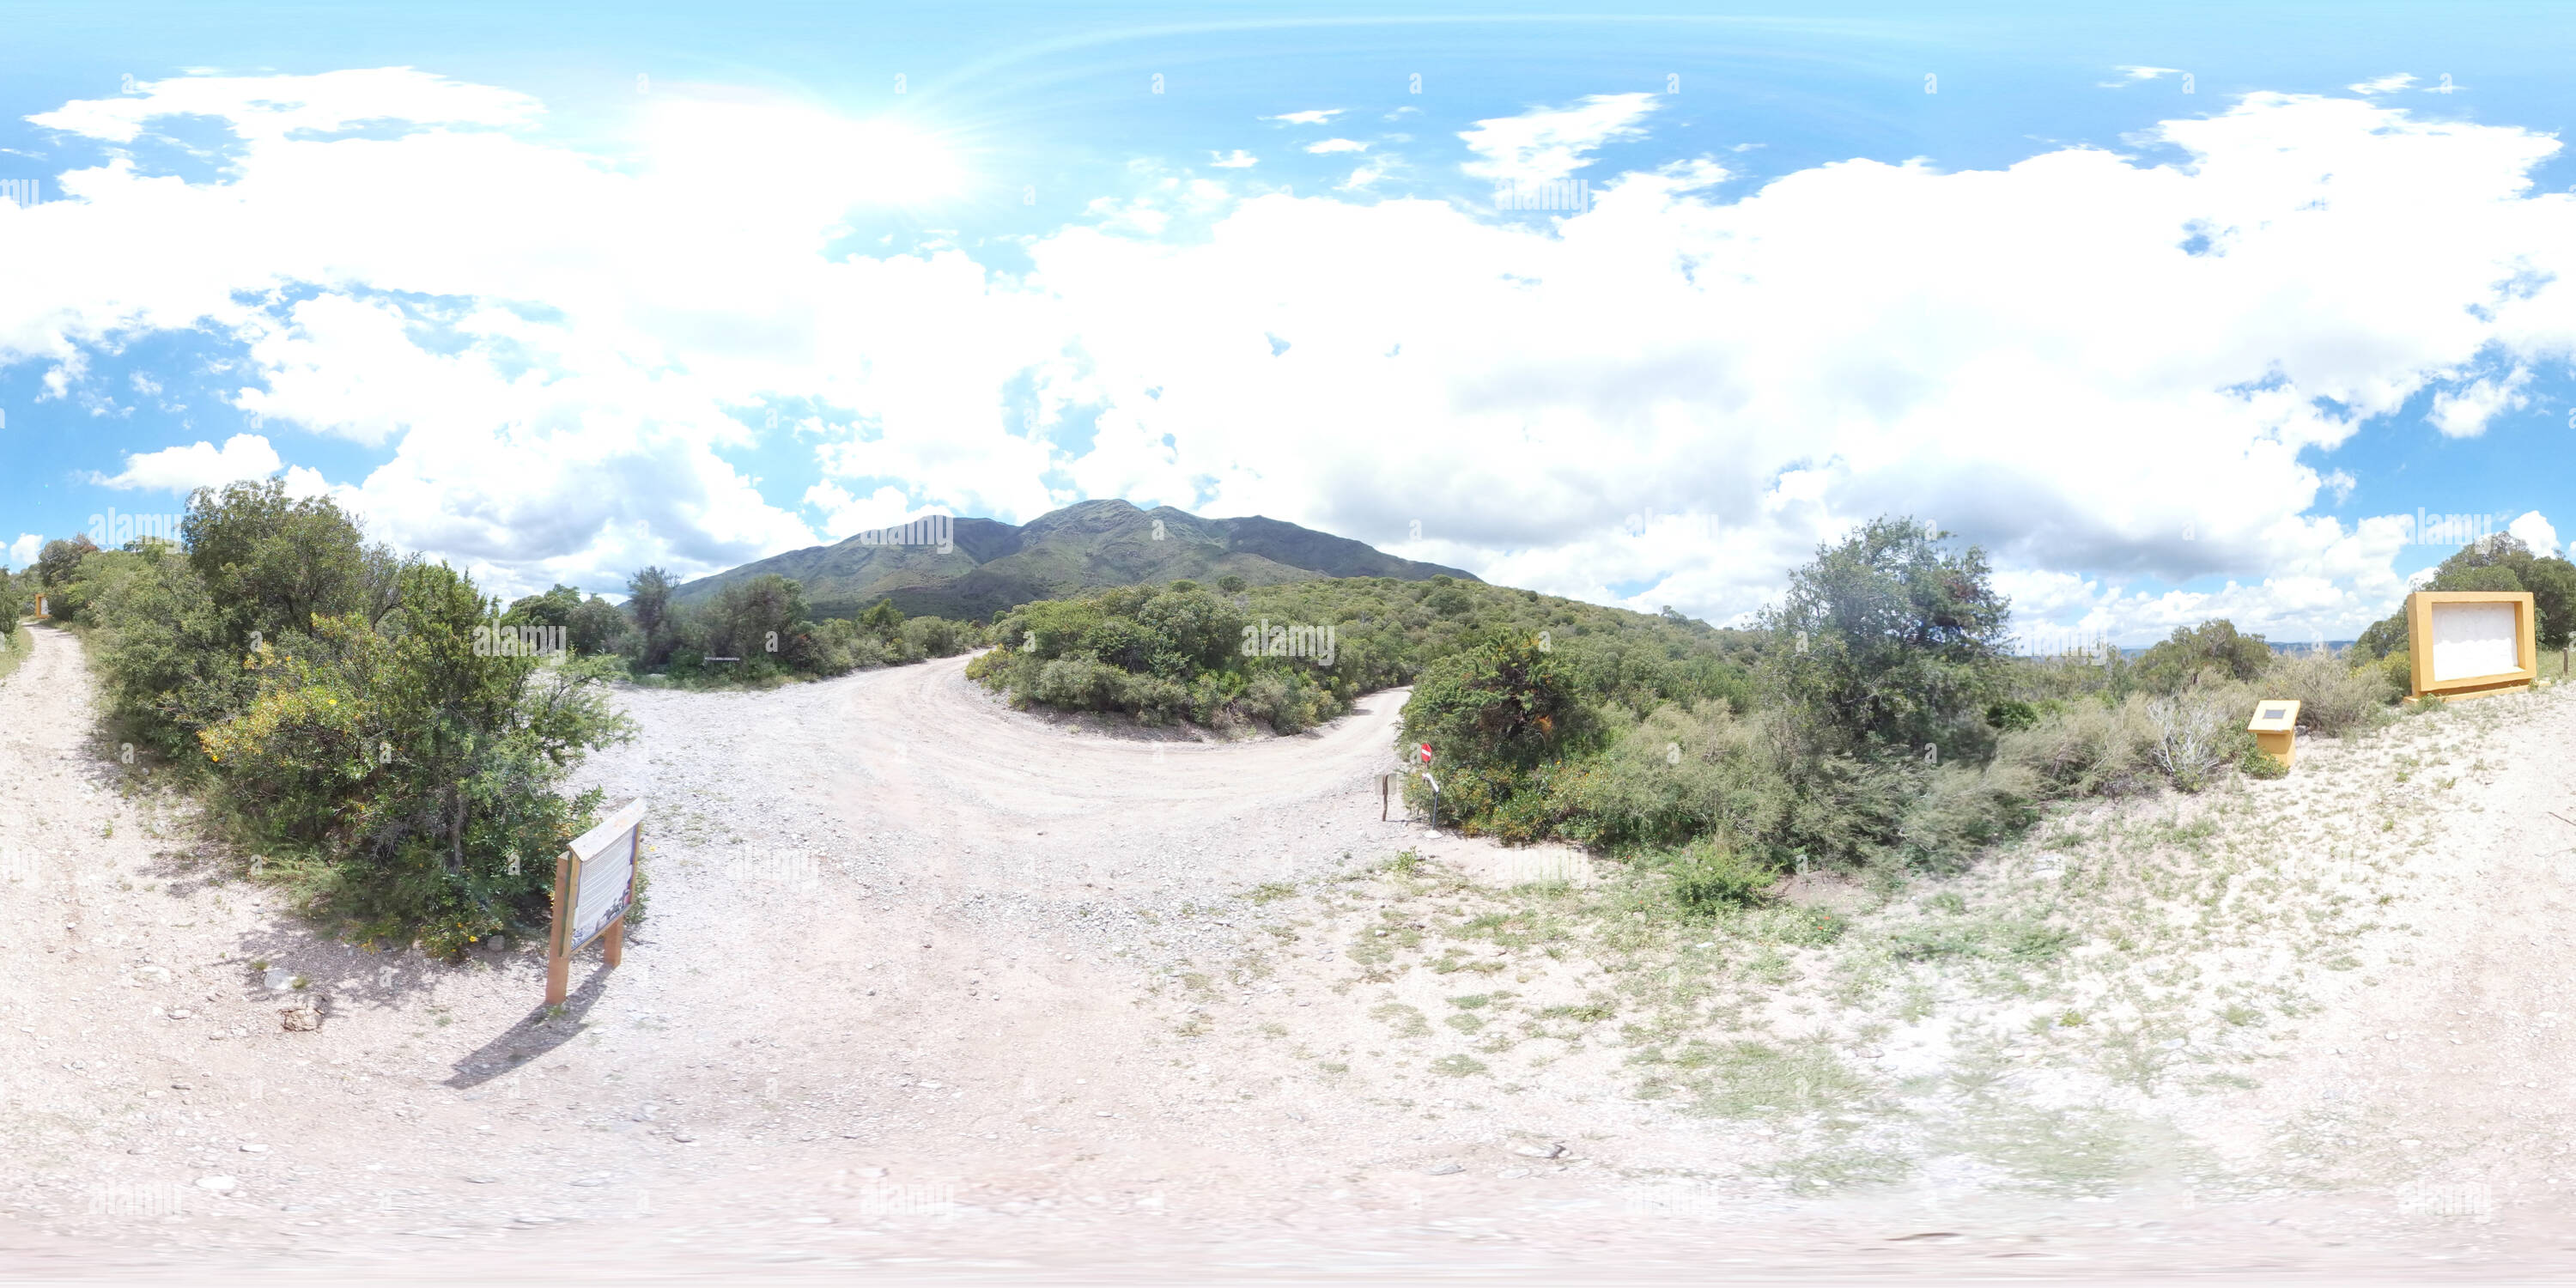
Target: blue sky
(2173, 310)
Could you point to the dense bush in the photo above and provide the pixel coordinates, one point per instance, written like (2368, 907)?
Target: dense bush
(341, 714)
(1888, 642)
(2335, 697)
(760, 631)
(2213, 648)
(1182, 639)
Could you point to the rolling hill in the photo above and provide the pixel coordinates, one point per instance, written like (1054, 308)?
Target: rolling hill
(991, 566)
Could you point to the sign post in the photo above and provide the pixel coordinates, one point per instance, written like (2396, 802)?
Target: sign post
(594, 886)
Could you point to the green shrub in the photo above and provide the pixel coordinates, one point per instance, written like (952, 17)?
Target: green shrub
(342, 715)
(2086, 748)
(1708, 877)
(2213, 650)
(1958, 810)
(1888, 643)
(2258, 763)
(1677, 775)
(1505, 703)
(2334, 698)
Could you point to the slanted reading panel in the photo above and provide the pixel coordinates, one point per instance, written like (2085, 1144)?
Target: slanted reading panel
(603, 872)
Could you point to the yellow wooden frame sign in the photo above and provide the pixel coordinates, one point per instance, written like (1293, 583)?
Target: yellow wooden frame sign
(2423, 606)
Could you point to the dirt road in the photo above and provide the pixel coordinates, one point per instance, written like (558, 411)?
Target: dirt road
(931, 987)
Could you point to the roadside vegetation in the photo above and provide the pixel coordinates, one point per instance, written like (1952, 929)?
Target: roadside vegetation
(754, 632)
(328, 699)
(1293, 655)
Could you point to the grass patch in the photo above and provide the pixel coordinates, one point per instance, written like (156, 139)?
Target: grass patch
(1748, 1079)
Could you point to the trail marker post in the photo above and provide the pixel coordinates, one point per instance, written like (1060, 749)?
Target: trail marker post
(594, 886)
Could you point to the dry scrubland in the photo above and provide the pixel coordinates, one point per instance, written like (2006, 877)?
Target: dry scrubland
(925, 978)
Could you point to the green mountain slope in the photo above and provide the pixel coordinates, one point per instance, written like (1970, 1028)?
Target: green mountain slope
(993, 566)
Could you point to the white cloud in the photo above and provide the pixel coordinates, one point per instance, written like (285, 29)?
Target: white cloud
(2133, 75)
(1546, 144)
(2383, 85)
(1329, 146)
(557, 385)
(200, 464)
(2464, 412)
(1235, 160)
(846, 514)
(2536, 532)
(23, 551)
(1316, 117)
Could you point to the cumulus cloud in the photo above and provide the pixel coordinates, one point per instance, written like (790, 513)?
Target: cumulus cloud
(1316, 117)
(2464, 412)
(1235, 160)
(1327, 147)
(2536, 532)
(1547, 144)
(199, 464)
(2383, 84)
(23, 551)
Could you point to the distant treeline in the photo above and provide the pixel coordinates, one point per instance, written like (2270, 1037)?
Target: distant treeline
(1294, 654)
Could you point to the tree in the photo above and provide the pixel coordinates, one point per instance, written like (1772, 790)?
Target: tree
(648, 600)
(1888, 642)
(274, 564)
(553, 608)
(60, 560)
(1190, 630)
(1230, 584)
(763, 619)
(597, 627)
(882, 618)
(2214, 647)
(1504, 704)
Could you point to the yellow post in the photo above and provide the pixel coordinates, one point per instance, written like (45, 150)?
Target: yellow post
(2276, 728)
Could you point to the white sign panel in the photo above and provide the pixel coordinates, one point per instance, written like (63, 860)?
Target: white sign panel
(2471, 640)
(603, 872)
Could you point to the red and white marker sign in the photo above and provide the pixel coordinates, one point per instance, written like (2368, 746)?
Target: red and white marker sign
(1426, 753)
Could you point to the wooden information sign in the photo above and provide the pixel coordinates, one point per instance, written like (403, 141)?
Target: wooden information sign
(594, 884)
(2470, 643)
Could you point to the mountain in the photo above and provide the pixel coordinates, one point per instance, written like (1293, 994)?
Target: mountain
(992, 566)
